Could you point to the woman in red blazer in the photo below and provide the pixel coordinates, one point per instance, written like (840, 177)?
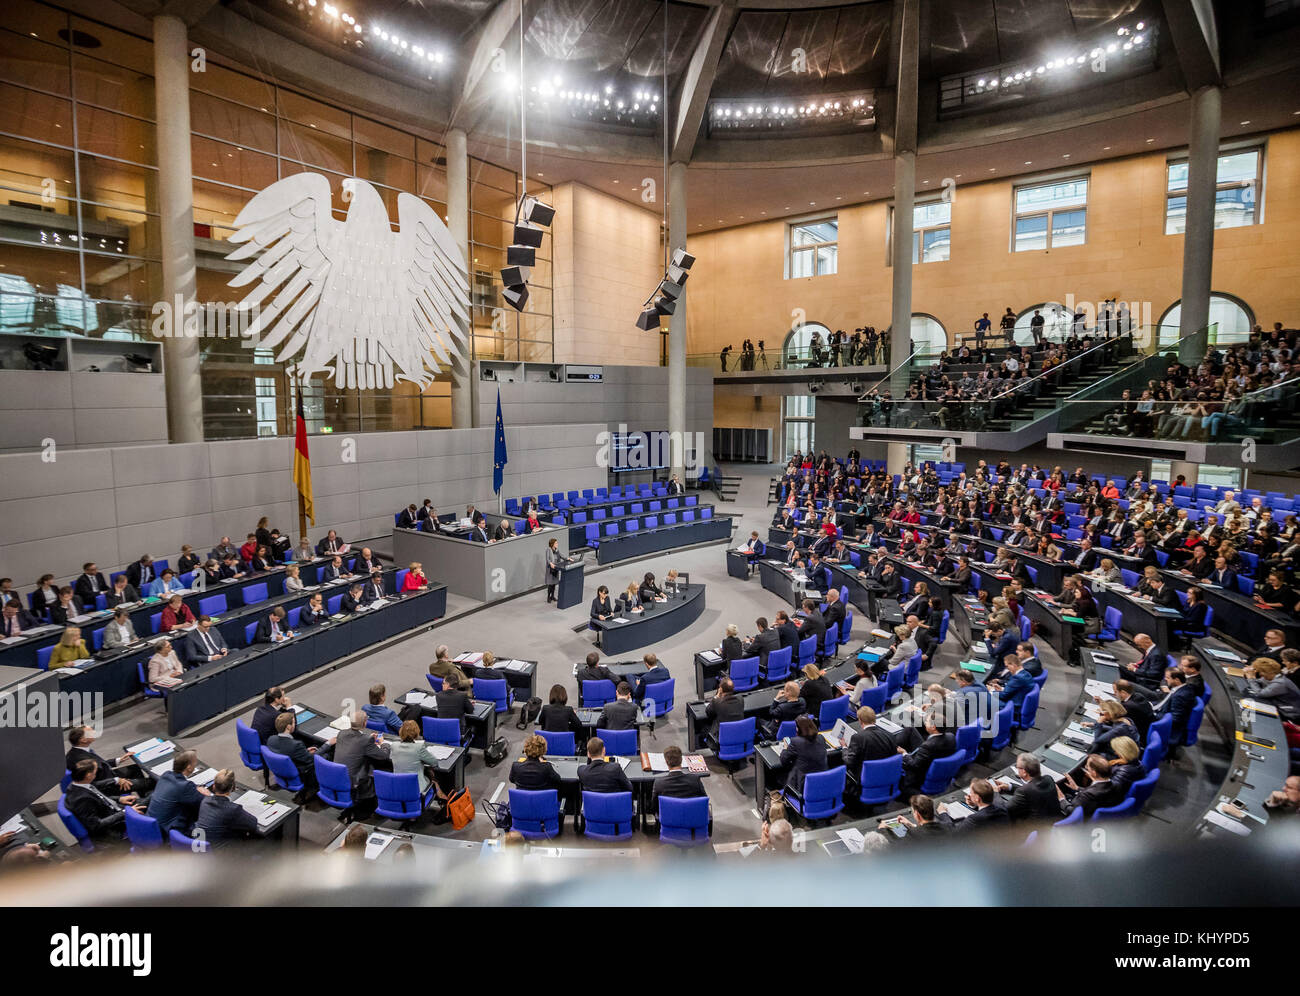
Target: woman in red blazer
(415, 579)
(177, 613)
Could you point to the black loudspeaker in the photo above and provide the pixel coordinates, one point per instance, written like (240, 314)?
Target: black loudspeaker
(528, 235)
(683, 259)
(669, 289)
(516, 297)
(521, 256)
(677, 274)
(665, 305)
(536, 212)
(515, 276)
(649, 320)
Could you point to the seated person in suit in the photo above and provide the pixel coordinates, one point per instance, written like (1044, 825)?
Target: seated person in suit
(351, 599)
(649, 591)
(786, 631)
(205, 642)
(479, 533)
(284, 742)
(533, 772)
(731, 647)
(358, 749)
(221, 819)
(410, 517)
(141, 574)
(503, 531)
(487, 669)
(89, 584)
(630, 600)
(602, 606)
(1179, 699)
(786, 706)
(314, 613)
(1036, 798)
(230, 567)
(293, 580)
(557, 715)
(725, 707)
(101, 814)
(45, 596)
(1099, 792)
(175, 800)
(600, 773)
(675, 782)
(655, 673)
(121, 593)
(987, 810)
(272, 628)
(430, 523)
(176, 613)
(593, 670)
(1027, 654)
(67, 608)
(120, 632)
(373, 590)
(816, 689)
(274, 702)
(923, 824)
(871, 743)
(165, 669)
(834, 613)
(377, 711)
(121, 774)
(916, 765)
(335, 570)
(15, 620)
(763, 643)
(621, 713)
(453, 702)
(805, 754)
(442, 665)
(1014, 686)
(1150, 670)
(163, 586)
(330, 544)
(71, 647)
(411, 756)
(754, 549)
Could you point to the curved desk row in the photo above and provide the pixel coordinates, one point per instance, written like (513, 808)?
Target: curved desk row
(657, 621)
(624, 546)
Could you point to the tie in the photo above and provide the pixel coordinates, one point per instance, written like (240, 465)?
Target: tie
(111, 803)
(207, 642)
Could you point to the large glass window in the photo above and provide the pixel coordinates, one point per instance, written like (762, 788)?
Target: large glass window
(929, 337)
(931, 231)
(1051, 215)
(814, 248)
(1237, 192)
(798, 420)
(1233, 317)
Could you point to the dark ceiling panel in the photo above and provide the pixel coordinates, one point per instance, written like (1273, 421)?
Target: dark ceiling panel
(1089, 15)
(860, 55)
(685, 22)
(565, 30)
(750, 53)
(1027, 28)
(963, 35)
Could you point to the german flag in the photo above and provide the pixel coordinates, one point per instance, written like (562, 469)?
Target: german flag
(302, 465)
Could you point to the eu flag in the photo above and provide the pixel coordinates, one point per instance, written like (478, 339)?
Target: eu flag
(499, 460)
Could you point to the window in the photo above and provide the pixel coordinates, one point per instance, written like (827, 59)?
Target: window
(798, 414)
(814, 248)
(1051, 215)
(1234, 317)
(1236, 196)
(1215, 477)
(929, 337)
(931, 233)
(1056, 323)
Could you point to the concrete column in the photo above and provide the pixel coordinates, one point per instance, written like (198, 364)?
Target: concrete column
(900, 337)
(677, 324)
(1198, 237)
(176, 225)
(462, 386)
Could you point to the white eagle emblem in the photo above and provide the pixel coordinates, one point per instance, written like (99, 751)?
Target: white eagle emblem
(353, 299)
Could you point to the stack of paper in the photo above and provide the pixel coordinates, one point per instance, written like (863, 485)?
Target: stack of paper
(264, 808)
(154, 751)
(852, 837)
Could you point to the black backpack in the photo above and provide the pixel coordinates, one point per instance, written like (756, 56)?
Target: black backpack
(529, 712)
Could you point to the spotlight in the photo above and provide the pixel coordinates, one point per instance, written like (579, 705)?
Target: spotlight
(814, 386)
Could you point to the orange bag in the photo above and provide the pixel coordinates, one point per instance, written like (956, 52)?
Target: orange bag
(460, 807)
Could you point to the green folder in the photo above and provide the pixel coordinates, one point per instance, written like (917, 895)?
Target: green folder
(1072, 619)
(975, 666)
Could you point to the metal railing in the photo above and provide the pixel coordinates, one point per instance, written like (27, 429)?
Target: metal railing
(805, 358)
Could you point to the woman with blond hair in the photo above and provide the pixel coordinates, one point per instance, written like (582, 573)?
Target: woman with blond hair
(165, 667)
(1107, 571)
(415, 579)
(1265, 681)
(292, 581)
(71, 647)
(533, 772)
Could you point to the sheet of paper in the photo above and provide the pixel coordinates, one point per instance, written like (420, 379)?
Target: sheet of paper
(156, 751)
(852, 836)
(205, 777)
(1227, 823)
(1065, 750)
(14, 824)
(958, 810)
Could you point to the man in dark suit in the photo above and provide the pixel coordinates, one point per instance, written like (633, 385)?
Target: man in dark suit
(593, 670)
(962, 574)
(410, 517)
(1140, 550)
(757, 549)
(1151, 668)
(120, 774)
(1137, 706)
(621, 713)
(1163, 594)
(600, 774)
(1037, 799)
(284, 742)
(786, 631)
(924, 824)
(141, 573)
(1223, 575)
(330, 544)
(121, 593)
(890, 583)
(431, 523)
(725, 707)
(358, 749)
(834, 614)
(1000, 643)
(871, 743)
(1086, 558)
(366, 563)
(479, 533)
(272, 628)
(916, 765)
(220, 818)
(101, 814)
(654, 674)
(204, 642)
(675, 486)
(987, 810)
(1177, 703)
(764, 642)
(675, 782)
(274, 702)
(90, 583)
(453, 701)
(351, 599)
(175, 801)
(373, 590)
(1099, 793)
(814, 624)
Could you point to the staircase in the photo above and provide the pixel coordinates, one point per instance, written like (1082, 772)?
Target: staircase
(728, 487)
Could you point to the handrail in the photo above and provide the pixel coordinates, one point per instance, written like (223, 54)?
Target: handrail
(890, 374)
(1157, 350)
(1021, 385)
